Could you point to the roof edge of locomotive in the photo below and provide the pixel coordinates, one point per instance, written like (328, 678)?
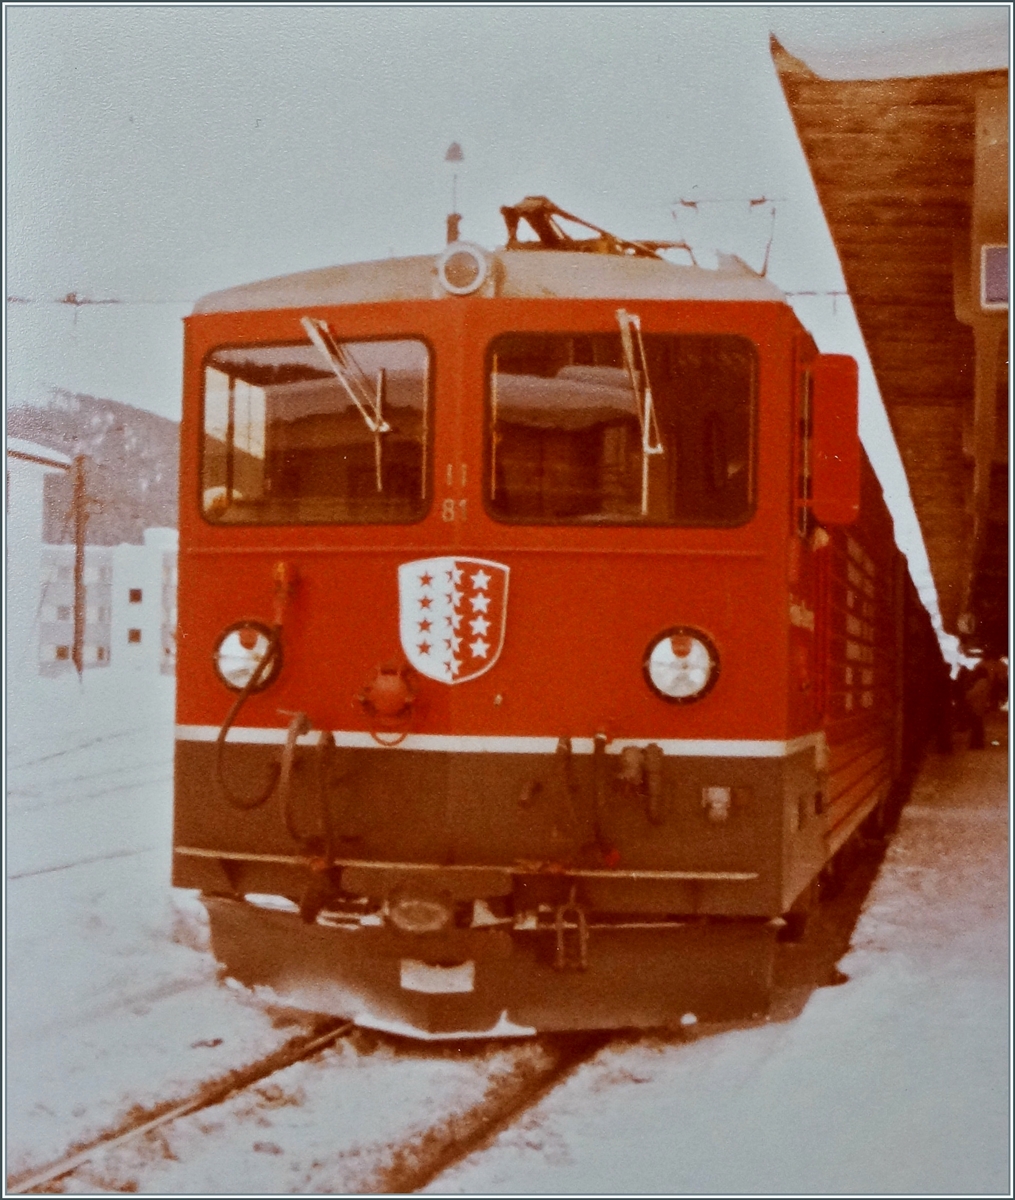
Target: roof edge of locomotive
(514, 274)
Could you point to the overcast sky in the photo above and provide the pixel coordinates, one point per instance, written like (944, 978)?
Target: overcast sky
(157, 153)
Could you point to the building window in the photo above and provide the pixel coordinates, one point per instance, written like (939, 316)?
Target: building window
(101, 654)
(63, 653)
(134, 636)
(135, 598)
(994, 277)
(63, 612)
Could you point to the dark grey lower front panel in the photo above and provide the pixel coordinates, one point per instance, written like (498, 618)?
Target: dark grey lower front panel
(646, 978)
(503, 809)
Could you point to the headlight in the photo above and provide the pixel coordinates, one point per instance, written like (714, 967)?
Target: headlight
(681, 665)
(239, 652)
(462, 268)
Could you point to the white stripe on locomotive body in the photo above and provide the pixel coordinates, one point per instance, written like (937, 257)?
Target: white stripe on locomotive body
(482, 744)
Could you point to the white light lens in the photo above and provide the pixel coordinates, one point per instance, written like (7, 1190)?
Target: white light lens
(239, 653)
(681, 665)
(419, 914)
(424, 977)
(462, 268)
(717, 801)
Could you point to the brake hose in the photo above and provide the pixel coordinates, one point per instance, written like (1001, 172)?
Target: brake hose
(285, 580)
(298, 726)
(265, 665)
(320, 851)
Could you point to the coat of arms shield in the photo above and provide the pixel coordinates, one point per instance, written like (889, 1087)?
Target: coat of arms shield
(451, 615)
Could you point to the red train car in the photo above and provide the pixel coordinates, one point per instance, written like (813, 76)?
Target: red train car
(541, 634)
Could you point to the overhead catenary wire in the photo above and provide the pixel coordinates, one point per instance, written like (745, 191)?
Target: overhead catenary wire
(750, 201)
(762, 202)
(106, 302)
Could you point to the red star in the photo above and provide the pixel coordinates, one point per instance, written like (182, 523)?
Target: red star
(424, 626)
(426, 580)
(424, 647)
(425, 602)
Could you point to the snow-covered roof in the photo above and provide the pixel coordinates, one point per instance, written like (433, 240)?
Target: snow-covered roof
(43, 456)
(903, 41)
(516, 274)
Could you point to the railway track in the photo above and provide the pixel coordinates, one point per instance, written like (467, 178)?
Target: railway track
(422, 1159)
(469, 1095)
(209, 1094)
(400, 1166)
(83, 862)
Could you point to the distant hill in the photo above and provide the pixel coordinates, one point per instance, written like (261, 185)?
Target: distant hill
(132, 482)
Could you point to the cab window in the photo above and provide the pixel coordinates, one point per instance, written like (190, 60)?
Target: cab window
(322, 431)
(621, 428)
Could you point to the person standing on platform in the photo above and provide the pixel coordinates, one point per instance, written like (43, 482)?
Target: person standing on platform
(976, 689)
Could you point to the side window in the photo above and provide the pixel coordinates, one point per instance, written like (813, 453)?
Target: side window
(323, 431)
(805, 428)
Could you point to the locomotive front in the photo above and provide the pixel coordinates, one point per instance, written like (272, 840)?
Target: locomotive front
(487, 714)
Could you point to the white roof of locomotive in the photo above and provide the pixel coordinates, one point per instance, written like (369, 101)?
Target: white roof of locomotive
(515, 274)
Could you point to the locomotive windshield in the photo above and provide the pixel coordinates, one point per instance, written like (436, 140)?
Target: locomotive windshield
(320, 431)
(606, 428)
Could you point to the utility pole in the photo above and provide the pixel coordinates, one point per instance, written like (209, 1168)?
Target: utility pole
(80, 509)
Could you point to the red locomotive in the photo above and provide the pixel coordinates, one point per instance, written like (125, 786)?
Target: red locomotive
(542, 636)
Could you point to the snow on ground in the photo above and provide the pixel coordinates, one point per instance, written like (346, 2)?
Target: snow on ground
(350, 1121)
(895, 1082)
(112, 1000)
(113, 1003)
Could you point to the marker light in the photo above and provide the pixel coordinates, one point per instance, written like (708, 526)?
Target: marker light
(717, 802)
(239, 652)
(681, 665)
(462, 268)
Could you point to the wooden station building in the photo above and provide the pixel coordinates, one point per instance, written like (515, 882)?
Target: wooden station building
(912, 174)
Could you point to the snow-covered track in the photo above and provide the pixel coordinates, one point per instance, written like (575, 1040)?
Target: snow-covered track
(83, 862)
(419, 1161)
(210, 1094)
(470, 1098)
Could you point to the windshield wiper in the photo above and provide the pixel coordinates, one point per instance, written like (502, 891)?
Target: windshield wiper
(368, 401)
(641, 385)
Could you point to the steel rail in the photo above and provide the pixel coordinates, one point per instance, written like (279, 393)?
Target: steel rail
(421, 1160)
(292, 1052)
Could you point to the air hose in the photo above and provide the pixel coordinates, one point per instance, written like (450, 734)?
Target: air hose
(321, 843)
(285, 581)
(263, 667)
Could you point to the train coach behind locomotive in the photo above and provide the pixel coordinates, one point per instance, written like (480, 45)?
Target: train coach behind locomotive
(541, 634)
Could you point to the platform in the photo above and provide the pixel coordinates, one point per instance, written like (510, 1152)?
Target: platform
(895, 1082)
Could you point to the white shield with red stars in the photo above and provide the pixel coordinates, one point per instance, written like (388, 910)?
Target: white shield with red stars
(451, 615)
